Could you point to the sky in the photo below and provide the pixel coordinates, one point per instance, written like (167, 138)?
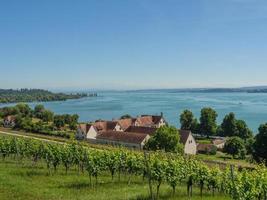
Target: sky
(132, 44)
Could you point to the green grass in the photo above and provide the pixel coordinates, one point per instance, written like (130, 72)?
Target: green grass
(23, 181)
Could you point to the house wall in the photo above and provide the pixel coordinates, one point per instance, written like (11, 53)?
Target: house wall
(161, 123)
(190, 146)
(118, 128)
(220, 146)
(8, 123)
(92, 133)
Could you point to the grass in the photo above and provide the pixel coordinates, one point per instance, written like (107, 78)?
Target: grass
(23, 181)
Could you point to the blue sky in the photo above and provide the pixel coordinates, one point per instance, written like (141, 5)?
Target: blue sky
(133, 44)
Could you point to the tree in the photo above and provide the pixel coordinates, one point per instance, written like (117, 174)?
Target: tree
(165, 138)
(47, 116)
(38, 111)
(24, 109)
(59, 121)
(242, 130)
(260, 145)
(126, 116)
(233, 127)
(228, 127)
(208, 123)
(235, 146)
(188, 121)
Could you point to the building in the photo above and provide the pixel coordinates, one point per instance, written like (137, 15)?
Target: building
(189, 142)
(9, 121)
(126, 139)
(219, 143)
(129, 132)
(155, 121)
(125, 123)
(90, 131)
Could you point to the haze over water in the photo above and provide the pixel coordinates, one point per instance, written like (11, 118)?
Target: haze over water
(251, 107)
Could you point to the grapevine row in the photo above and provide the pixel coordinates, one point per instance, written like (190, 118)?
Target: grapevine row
(156, 168)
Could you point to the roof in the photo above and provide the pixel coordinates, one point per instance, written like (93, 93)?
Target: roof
(135, 138)
(142, 129)
(148, 120)
(184, 134)
(10, 118)
(204, 147)
(84, 127)
(105, 125)
(126, 123)
(218, 141)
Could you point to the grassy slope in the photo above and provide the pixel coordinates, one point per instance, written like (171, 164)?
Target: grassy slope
(19, 181)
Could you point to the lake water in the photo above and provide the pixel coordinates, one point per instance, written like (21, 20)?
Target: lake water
(108, 105)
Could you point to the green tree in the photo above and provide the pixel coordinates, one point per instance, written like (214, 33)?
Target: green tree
(165, 138)
(208, 123)
(59, 121)
(188, 121)
(126, 116)
(24, 109)
(47, 116)
(228, 127)
(235, 146)
(38, 111)
(242, 130)
(260, 145)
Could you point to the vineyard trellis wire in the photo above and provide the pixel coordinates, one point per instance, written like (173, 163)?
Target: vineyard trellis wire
(157, 168)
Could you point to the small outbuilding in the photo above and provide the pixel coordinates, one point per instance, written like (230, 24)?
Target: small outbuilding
(189, 142)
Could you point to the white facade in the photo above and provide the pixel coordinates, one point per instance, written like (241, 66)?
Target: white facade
(190, 147)
(92, 133)
(118, 128)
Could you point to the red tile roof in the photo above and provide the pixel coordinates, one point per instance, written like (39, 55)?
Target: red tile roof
(104, 125)
(148, 120)
(125, 123)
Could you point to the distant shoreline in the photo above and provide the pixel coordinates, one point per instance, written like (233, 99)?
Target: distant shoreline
(36, 95)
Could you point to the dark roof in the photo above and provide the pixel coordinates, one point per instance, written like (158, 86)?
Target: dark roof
(135, 138)
(141, 129)
(184, 134)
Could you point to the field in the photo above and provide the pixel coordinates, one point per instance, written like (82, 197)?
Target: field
(25, 181)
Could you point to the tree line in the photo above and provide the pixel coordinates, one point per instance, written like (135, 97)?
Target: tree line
(30, 95)
(155, 168)
(41, 120)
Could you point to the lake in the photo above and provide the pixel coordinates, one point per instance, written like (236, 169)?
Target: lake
(251, 107)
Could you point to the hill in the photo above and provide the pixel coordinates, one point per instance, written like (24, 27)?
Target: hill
(30, 95)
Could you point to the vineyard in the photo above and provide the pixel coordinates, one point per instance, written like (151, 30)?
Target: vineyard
(155, 169)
